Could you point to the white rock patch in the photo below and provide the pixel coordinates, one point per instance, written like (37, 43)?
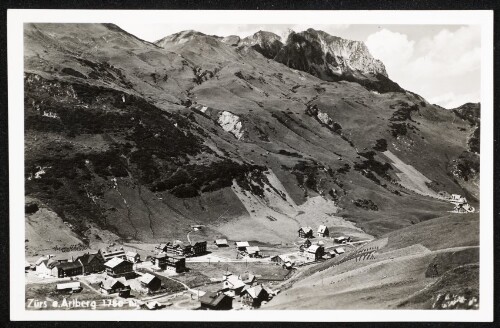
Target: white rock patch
(231, 123)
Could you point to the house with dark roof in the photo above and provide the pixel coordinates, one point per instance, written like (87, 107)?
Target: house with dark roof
(199, 248)
(67, 269)
(216, 301)
(323, 231)
(91, 263)
(306, 232)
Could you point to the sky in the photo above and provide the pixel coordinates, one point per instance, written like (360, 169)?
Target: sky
(439, 62)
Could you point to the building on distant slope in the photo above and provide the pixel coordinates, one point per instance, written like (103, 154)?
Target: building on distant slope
(117, 267)
(323, 231)
(306, 232)
(216, 301)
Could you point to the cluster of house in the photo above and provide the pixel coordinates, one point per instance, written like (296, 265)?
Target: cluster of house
(116, 262)
(244, 249)
(461, 204)
(243, 288)
(307, 232)
(183, 249)
(148, 283)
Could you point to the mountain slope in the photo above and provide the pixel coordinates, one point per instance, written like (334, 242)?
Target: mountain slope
(146, 139)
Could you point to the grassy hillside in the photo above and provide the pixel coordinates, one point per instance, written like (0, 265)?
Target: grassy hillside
(143, 141)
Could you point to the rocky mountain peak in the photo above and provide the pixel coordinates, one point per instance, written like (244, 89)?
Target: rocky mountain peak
(337, 55)
(267, 43)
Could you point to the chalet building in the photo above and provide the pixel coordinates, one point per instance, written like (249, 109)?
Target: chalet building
(132, 257)
(221, 243)
(307, 243)
(199, 248)
(110, 253)
(254, 296)
(232, 285)
(117, 267)
(45, 264)
(216, 301)
(323, 231)
(282, 260)
(342, 240)
(179, 248)
(175, 263)
(160, 261)
(253, 251)
(306, 232)
(67, 269)
(150, 282)
(42, 267)
(314, 252)
(91, 263)
(242, 246)
(73, 287)
(112, 286)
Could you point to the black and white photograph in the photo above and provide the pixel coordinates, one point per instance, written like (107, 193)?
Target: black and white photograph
(308, 164)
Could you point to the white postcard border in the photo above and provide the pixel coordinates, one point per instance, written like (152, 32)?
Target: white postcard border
(17, 17)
